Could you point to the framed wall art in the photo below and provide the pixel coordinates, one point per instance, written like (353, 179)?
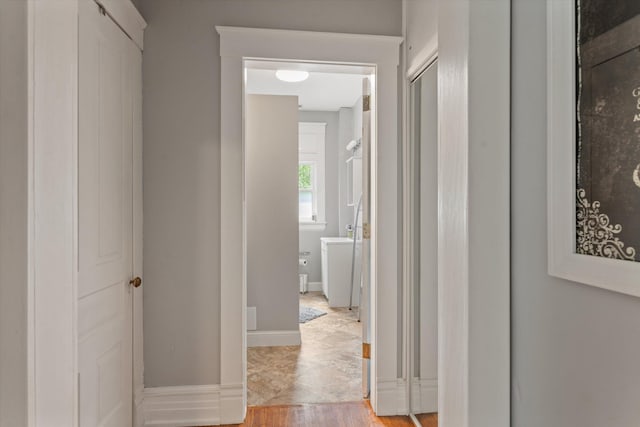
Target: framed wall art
(593, 119)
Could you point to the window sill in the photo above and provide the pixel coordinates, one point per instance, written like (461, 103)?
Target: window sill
(312, 226)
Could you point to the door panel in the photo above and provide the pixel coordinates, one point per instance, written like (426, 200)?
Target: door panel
(105, 221)
(365, 300)
(422, 191)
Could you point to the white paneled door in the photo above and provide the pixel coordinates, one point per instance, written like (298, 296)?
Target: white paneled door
(106, 131)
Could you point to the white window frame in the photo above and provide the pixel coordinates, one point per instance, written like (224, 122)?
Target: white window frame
(314, 154)
(313, 189)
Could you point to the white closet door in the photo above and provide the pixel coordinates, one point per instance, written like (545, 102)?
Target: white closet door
(105, 215)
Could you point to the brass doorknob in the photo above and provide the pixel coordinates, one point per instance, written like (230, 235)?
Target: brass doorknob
(136, 282)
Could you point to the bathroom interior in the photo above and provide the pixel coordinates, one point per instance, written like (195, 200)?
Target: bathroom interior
(304, 182)
(307, 287)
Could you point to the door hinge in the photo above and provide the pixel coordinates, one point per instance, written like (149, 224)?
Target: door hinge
(366, 103)
(366, 230)
(366, 350)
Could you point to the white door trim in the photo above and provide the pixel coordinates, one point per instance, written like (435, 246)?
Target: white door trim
(237, 44)
(423, 393)
(138, 335)
(52, 213)
(474, 213)
(52, 200)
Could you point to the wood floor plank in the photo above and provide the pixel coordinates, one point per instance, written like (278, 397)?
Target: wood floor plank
(428, 420)
(346, 414)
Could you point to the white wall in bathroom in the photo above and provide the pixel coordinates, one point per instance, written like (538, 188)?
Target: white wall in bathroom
(357, 119)
(309, 240)
(345, 135)
(271, 191)
(343, 126)
(357, 134)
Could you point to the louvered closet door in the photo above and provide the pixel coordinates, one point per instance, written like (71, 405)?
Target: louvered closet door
(105, 220)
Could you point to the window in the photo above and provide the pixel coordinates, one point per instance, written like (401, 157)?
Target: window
(307, 197)
(311, 193)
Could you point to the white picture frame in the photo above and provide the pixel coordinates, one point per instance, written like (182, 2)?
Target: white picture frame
(563, 261)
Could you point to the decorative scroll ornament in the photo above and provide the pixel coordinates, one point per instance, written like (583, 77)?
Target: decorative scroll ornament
(596, 234)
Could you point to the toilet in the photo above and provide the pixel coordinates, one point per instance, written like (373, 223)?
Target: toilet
(302, 274)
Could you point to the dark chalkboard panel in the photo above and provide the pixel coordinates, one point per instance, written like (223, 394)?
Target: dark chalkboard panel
(608, 163)
(599, 16)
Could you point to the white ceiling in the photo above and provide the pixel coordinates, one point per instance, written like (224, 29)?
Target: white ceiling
(322, 91)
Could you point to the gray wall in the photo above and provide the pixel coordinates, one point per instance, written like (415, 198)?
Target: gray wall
(421, 28)
(310, 239)
(575, 348)
(181, 72)
(427, 292)
(13, 213)
(271, 155)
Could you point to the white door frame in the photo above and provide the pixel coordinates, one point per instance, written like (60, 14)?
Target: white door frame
(236, 45)
(473, 50)
(422, 394)
(474, 106)
(52, 206)
(418, 394)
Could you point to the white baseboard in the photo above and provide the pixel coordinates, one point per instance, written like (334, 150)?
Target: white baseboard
(182, 406)
(315, 286)
(138, 408)
(392, 397)
(424, 396)
(233, 408)
(273, 338)
(200, 405)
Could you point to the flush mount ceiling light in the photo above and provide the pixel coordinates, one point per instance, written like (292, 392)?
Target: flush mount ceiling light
(292, 76)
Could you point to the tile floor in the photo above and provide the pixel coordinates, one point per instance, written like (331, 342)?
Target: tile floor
(327, 367)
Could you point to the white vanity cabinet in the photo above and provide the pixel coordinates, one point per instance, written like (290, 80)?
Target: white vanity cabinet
(336, 271)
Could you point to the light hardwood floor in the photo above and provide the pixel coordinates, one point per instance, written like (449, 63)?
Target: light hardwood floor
(344, 414)
(428, 420)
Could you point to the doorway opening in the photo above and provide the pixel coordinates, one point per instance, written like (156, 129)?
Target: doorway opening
(308, 133)
(238, 45)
